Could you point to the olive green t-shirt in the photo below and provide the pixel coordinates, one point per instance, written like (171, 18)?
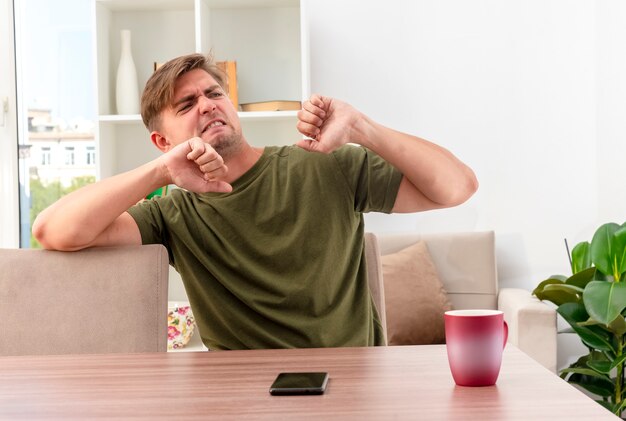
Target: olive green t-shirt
(278, 262)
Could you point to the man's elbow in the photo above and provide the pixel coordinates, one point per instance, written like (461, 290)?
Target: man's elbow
(39, 232)
(471, 185)
(45, 235)
(463, 191)
(42, 235)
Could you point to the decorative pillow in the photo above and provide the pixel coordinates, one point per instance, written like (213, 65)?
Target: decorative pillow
(415, 299)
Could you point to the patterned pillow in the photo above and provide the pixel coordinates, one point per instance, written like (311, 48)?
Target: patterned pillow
(180, 325)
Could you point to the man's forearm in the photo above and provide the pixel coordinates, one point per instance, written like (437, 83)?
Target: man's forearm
(434, 171)
(77, 220)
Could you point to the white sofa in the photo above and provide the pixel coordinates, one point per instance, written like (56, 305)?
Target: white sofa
(115, 299)
(466, 265)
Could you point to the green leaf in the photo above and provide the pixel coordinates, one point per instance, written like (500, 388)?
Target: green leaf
(586, 371)
(550, 281)
(618, 361)
(600, 362)
(606, 404)
(580, 363)
(590, 322)
(558, 297)
(618, 326)
(619, 240)
(619, 408)
(604, 301)
(596, 385)
(602, 277)
(570, 289)
(593, 337)
(605, 248)
(581, 279)
(595, 355)
(581, 257)
(603, 367)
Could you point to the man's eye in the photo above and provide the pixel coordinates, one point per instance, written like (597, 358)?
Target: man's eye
(216, 94)
(185, 107)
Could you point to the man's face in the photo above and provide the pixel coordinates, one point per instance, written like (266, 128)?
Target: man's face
(200, 108)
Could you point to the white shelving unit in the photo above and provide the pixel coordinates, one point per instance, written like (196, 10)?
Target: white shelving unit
(266, 38)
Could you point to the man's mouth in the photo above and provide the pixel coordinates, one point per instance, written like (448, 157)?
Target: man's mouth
(211, 124)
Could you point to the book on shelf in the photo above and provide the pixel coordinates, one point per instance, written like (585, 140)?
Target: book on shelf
(229, 68)
(271, 106)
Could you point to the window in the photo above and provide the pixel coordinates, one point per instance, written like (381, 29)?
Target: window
(91, 155)
(56, 103)
(69, 155)
(45, 155)
(9, 191)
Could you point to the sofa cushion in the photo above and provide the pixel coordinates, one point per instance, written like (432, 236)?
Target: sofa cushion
(415, 299)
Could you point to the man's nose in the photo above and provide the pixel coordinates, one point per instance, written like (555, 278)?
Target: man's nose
(206, 105)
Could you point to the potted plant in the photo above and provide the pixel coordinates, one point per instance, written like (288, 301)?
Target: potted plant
(592, 301)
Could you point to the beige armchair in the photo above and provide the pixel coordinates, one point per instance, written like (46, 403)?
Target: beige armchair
(466, 265)
(99, 300)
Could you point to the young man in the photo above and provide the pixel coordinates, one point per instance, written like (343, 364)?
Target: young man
(268, 241)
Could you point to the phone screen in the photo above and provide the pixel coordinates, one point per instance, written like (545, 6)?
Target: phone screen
(299, 384)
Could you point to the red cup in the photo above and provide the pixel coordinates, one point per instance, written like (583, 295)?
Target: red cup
(475, 340)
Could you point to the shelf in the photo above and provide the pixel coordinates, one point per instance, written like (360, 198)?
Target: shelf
(244, 116)
(241, 4)
(267, 115)
(120, 118)
(137, 5)
(140, 5)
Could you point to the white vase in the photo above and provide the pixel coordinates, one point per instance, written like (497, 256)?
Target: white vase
(126, 89)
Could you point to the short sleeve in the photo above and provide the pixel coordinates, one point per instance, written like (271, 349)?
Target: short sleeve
(373, 181)
(147, 215)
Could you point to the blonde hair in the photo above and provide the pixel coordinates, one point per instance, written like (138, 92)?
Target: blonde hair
(159, 91)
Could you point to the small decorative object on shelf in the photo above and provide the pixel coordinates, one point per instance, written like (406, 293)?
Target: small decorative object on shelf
(272, 106)
(126, 88)
(161, 191)
(180, 325)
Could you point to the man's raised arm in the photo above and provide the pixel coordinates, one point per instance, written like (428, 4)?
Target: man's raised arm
(433, 177)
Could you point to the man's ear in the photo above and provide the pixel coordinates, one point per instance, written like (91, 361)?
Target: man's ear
(160, 141)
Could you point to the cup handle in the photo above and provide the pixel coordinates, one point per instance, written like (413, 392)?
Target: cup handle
(506, 334)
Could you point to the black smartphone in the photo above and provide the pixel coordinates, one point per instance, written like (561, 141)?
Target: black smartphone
(299, 384)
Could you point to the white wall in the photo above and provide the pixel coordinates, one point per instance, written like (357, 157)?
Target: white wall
(511, 87)
(531, 94)
(611, 109)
